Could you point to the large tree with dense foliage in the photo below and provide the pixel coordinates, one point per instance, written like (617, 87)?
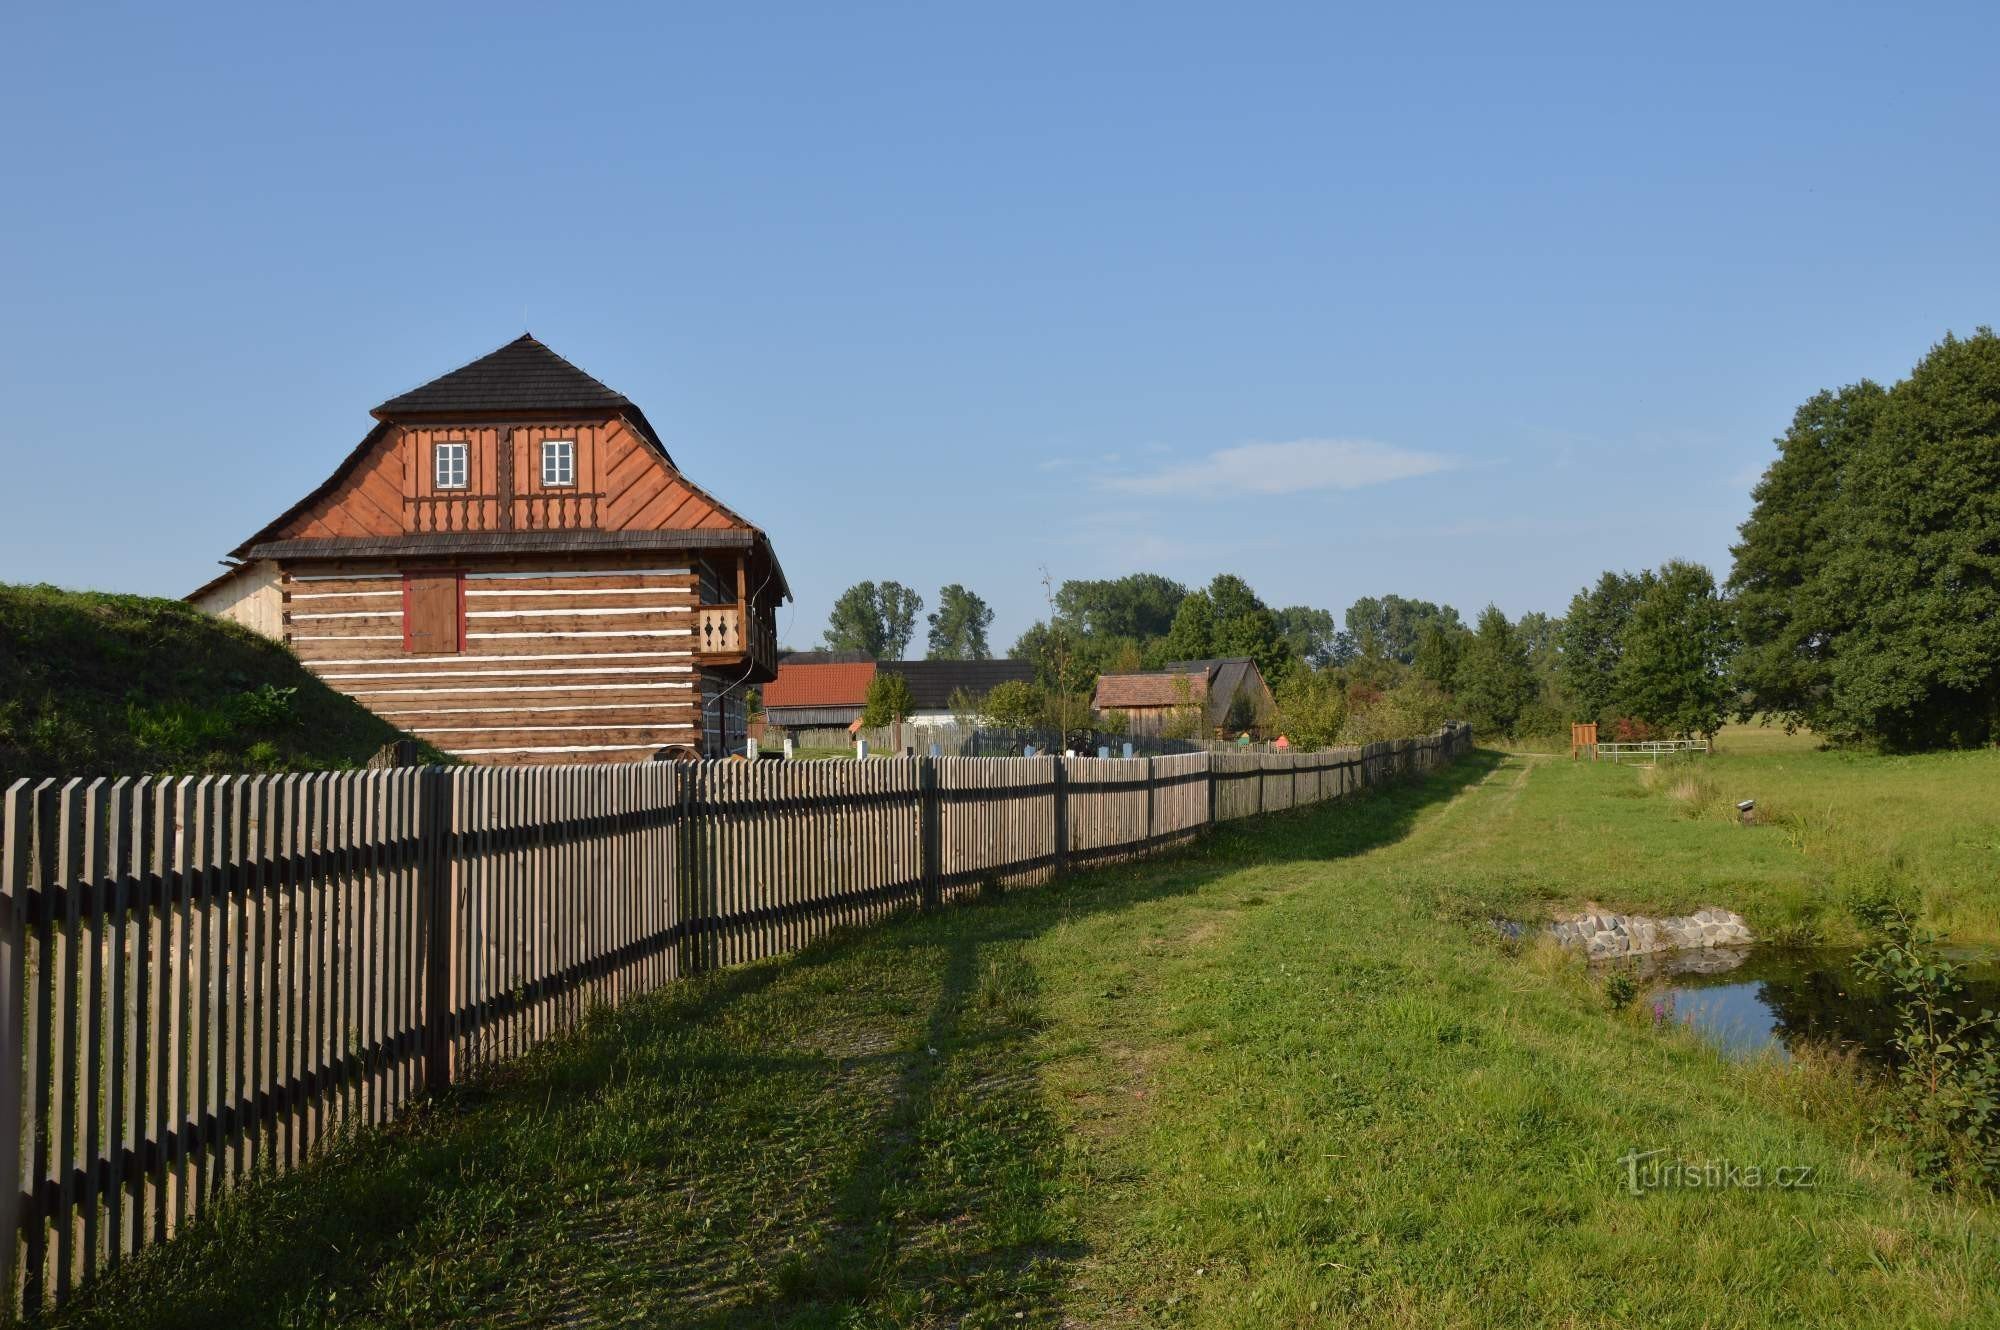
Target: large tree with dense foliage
(1439, 646)
(1787, 615)
(878, 618)
(1493, 680)
(1868, 574)
(1917, 565)
(1593, 641)
(1389, 627)
(1226, 618)
(1313, 635)
(958, 625)
(1139, 606)
(1673, 665)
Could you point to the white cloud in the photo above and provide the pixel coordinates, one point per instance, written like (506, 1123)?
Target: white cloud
(1283, 468)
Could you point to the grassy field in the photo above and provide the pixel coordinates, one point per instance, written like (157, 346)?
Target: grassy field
(1289, 1077)
(93, 684)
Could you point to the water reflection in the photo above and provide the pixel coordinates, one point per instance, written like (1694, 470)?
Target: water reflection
(1753, 999)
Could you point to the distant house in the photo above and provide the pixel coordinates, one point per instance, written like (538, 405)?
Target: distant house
(813, 693)
(933, 683)
(1227, 694)
(815, 690)
(511, 566)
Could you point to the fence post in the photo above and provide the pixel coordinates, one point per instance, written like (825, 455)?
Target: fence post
(437, 919)
(1149, 800)
(928, 845)
(1208, 766)
(687, 872)
(1060, 784)
(19, 813)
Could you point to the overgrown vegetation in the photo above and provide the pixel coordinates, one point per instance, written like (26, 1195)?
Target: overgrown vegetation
(94, 684)
(1947, 1100)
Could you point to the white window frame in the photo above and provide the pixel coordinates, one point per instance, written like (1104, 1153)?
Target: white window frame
(563, 452)
(460, 452)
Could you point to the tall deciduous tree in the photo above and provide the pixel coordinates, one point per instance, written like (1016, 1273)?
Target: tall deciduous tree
(876, 618)
(1313, 635)
(1226, 618)
(1192, 636)
(1494, 680)
(1786, 611)
(1439, 646)
(1387, 627)
(1138, 606)
(1593, 641)
(1918, 563)
(958, 625)
(1673, 664)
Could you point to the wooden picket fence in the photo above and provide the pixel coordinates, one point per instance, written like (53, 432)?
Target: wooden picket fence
(203, 980)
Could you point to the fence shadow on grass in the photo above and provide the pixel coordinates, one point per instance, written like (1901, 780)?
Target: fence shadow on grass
(856, 1129)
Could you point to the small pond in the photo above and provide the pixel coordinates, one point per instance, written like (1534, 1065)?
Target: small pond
(1753, 999)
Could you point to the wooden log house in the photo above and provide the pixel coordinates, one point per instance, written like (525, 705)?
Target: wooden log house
(511, 566)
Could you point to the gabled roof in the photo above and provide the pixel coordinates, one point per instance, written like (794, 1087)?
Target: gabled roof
(1165, 689)
(843, 685)
(932, 682)
(523, 375)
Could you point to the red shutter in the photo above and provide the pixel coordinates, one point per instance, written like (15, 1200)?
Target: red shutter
(433, 613)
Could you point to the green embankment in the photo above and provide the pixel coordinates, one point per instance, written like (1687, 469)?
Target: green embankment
(1288, 1077)
(93, 684)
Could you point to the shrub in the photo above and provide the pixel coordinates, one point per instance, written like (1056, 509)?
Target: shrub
(1632, 730)
(268, 706)
(1015, 703)
(1947, 1100)
(888, 701)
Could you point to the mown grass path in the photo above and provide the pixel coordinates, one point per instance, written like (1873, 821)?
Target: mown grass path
(1287, 1077)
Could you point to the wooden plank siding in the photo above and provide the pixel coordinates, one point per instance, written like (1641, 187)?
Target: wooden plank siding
(559, 664)
(621, 483)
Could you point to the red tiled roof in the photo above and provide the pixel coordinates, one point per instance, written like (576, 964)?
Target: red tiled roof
(819, 685)
(1116, 691)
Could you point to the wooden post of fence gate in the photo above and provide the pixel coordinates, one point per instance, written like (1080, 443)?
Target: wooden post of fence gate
(436, 922)
(928, 839)
(14, 881)
(1059, 783)
(1208, 769)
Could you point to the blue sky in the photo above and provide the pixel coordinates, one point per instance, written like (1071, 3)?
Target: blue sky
(1466, 304)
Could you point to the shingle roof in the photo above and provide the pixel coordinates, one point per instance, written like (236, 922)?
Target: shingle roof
(819, 685)
(1117, 691)
(932, 682)
(523, 375)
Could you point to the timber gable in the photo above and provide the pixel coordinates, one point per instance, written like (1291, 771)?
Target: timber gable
(511, 566)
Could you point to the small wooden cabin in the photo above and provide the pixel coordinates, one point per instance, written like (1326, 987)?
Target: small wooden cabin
(1216, 696)
(511, 566)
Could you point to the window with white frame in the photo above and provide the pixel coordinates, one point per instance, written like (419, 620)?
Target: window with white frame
(448, 466)
(559, 461)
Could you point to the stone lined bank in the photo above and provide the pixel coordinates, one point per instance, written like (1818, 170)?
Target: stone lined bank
(1602, 936)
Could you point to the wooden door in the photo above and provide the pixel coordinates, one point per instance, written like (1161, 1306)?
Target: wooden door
(433, 613)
